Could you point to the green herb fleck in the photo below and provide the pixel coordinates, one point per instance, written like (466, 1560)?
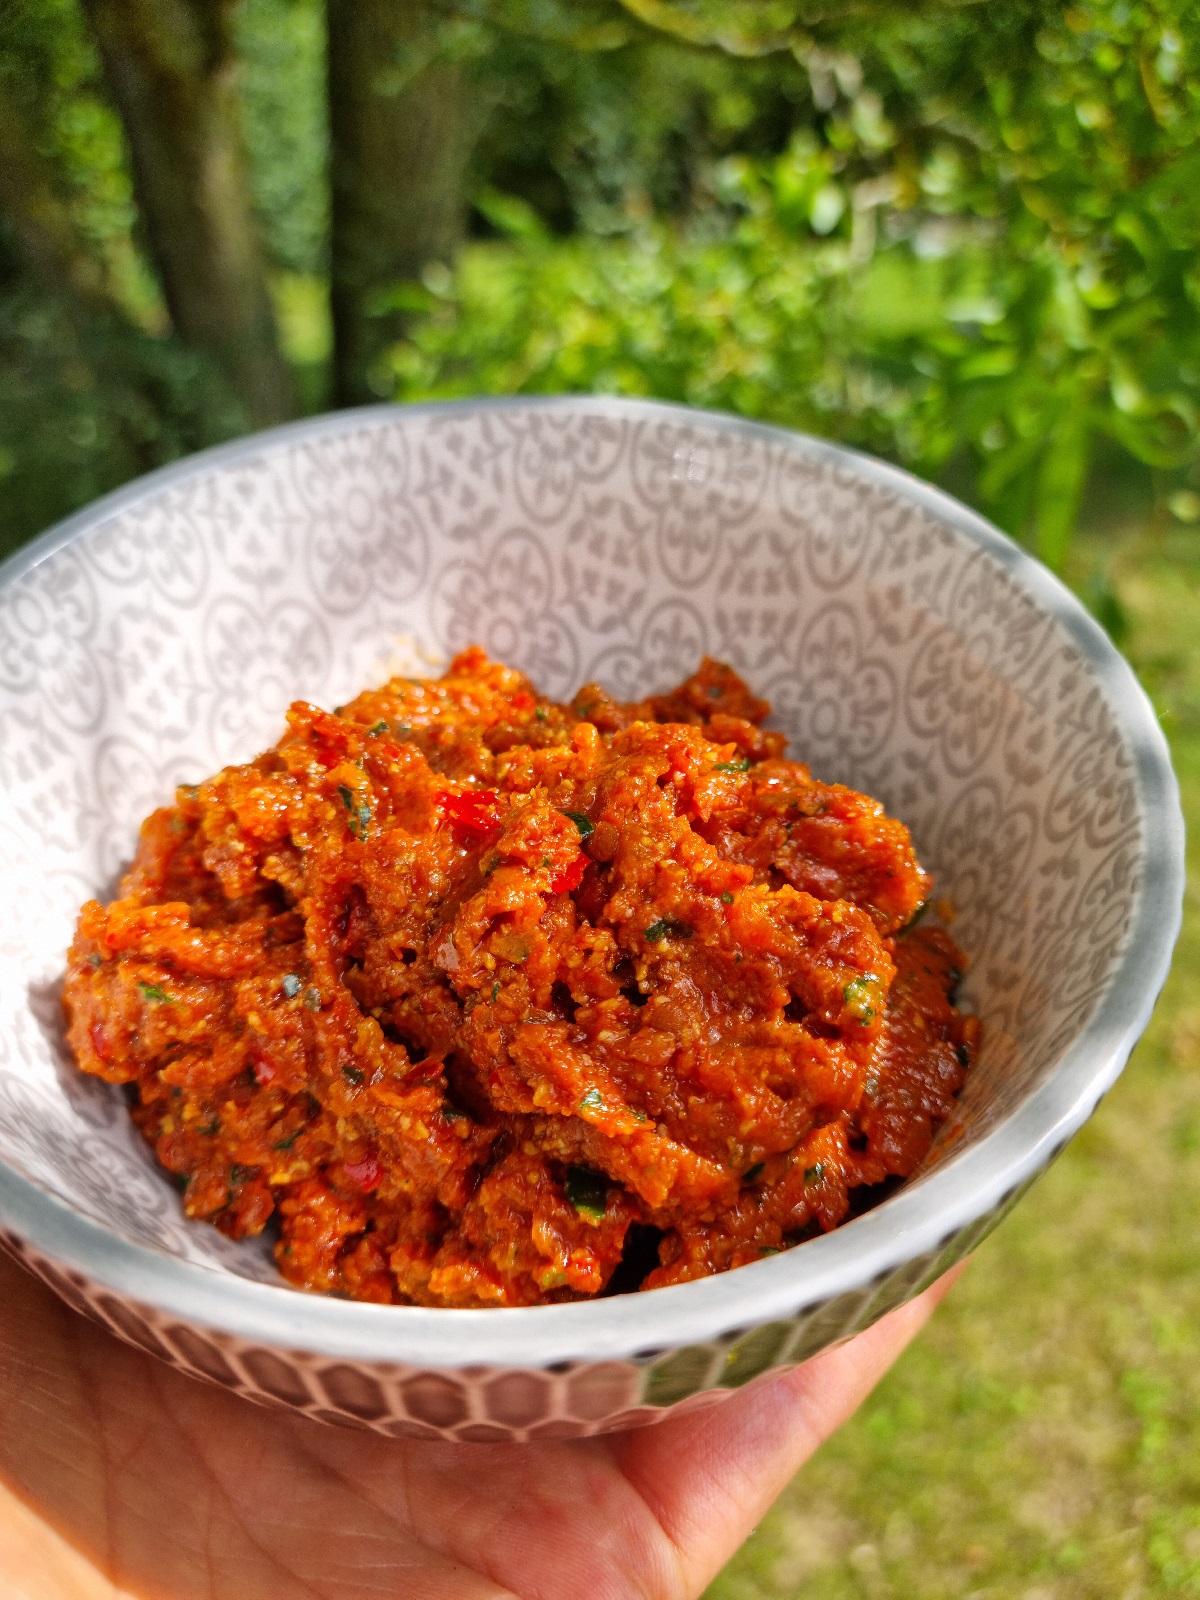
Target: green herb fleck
(181, 1180)
(156, 995)
(352, 1074)
(714, 691)
(360, 814)
(733, 766)
(656, 931)
(592, 1100)
(212, 1127)
(495, 991)
(668, 926)
(286, 1144)
(542, 714)
(239, 1174)
(584, 823)
(95, 960)
(754, 1173)
(291, 985)
(726, 898)
(916, 916)
(312, 999)
(189, 791)
(377, 728)
(588, 1192)
(815, 1173)
(861, 996)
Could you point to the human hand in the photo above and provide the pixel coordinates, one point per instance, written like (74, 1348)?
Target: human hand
(128, 1479)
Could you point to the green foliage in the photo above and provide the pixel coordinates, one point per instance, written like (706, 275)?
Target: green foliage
(731, 323)
(87, 402)
(50, 76)
(281, 44)
(979, 259)
(754, 27)
(1076, 168)
(581, 24)
(596, 141)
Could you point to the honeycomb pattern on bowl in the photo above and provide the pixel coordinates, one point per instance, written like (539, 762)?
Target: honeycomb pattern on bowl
(500, 1404)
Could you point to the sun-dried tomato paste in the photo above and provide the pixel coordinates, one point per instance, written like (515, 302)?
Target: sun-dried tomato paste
(488, 1001)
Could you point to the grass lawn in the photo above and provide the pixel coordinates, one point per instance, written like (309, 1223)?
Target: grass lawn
(1042, 1440)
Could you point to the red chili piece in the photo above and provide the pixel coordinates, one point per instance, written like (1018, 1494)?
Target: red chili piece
(366, 1174)
(570, 877)
(474, 815)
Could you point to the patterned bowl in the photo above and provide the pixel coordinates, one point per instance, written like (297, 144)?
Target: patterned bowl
(909, 650)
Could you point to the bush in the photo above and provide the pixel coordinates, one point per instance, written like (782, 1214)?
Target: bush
(981, 261)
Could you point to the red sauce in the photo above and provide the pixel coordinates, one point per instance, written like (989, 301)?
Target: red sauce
(482, 998)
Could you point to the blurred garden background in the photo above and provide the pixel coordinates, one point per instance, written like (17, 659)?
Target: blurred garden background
(964, 236)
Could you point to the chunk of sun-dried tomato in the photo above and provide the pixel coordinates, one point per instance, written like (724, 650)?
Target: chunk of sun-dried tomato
(474, 815)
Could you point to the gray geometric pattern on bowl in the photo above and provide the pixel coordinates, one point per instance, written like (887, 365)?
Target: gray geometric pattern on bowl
(908, 648)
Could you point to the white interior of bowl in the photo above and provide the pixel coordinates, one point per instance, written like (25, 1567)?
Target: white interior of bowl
(901, 644)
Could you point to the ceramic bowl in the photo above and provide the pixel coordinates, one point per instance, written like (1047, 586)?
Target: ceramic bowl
(908, 648)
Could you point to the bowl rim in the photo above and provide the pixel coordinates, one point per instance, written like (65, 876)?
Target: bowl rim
(915, 1223)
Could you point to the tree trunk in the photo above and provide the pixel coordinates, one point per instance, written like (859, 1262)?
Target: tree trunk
(171, 67)
(402, 124)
